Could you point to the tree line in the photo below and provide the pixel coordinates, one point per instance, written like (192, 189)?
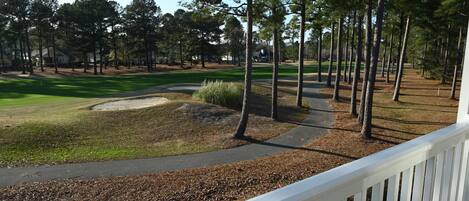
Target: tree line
(101, 33)
(378, 34)
(362, 39)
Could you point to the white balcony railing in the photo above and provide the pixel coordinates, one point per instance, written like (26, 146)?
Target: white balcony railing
(430, 168)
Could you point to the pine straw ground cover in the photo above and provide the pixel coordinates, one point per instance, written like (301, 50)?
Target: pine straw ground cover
(420, 112)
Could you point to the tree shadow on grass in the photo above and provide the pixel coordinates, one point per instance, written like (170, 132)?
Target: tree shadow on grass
(255, 141)
(400, 131)
(426, 104)
(413, 122)
(317, 95)
(384, 140)
(328, 111)
(393, 137)
(422, 95)
(420, 109)
(427, 88)
(321, 127)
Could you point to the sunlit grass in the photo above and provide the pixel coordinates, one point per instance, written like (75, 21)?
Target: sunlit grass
(36, 91)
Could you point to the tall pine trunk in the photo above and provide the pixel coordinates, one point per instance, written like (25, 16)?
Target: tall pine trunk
(368, 45)
(28, 43)
(15, 51)
(383, 61)
(446, 57)
(182, 59)
(41, 60)
(22, 54)
(366, 128)
(274, 113)
(320, 56)
(352, 48)
(457, 66)
(301, 56)
(336, 95)
(54, 52)
(239, 58)
(2, 58)
(401, 34)
(202, 55)
(389, 64)
(116, 58)
(331, 57)
(153, 53)
(401, 61)
(85, 61)
(147, 56)
(358, 63)
(346, 49)
(423, 59)
(241, 128)
(95, 65)
(100, 60)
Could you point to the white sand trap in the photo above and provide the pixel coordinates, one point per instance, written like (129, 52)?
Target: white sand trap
(130, 104)
(184, 88)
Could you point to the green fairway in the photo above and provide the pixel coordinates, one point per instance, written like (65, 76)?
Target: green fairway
(35, 91)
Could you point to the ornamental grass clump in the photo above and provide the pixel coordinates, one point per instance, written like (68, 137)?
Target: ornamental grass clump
(220, 93)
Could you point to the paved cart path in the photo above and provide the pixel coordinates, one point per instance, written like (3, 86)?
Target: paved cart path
(315, 125)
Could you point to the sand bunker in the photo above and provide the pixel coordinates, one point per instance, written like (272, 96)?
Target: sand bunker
(184, 88)
(130, 104)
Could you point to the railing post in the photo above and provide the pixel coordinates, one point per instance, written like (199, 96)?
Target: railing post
(463, 117)
(463, 112)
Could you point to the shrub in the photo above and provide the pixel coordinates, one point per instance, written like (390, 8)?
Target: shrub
(220, 93)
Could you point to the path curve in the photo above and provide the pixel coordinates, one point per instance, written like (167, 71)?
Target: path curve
(315, 125)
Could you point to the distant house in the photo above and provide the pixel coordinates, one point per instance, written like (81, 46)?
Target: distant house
(90, 56)
(263, 54)
(48, 57)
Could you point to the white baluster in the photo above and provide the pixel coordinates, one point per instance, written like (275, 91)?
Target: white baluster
(377, 192)
(393, 188)
(455, 172)
(440, 161)
(357, 197)
(429, 178)
(406, 187)
(447, 172)
(463, 171)
(417, 190)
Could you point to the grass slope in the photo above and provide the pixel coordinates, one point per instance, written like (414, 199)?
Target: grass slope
(83, 135)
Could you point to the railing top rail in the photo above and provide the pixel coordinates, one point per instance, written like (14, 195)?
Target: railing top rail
(352, 177)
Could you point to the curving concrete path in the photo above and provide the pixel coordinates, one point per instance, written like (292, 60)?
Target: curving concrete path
(315, 125)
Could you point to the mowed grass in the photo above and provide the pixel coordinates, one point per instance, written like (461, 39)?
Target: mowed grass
(82, 135)
(18, 92)
(100, 136)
